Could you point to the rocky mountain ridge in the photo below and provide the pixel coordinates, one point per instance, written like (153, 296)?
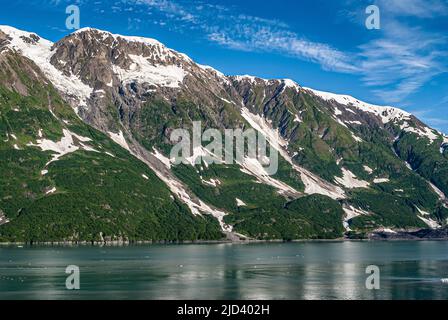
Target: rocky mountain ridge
(353, 154)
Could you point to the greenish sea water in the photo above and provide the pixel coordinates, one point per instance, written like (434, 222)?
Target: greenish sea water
(309, 270)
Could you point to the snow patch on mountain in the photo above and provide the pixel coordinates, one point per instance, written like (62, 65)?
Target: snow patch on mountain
(385, 230)
(162, 158)
(439, 192)
(254, 168)
(106, 34)
(387, 114)
(87, 148)
(39, 50)
(119, 139)
(288, 83)
(350, 213)
(337, 112)
(313, 184)
(381, 180)
(350, 181)
(143, 71)
(51, 191)
(3, 219)
(408, 165)
(198, 155)
(368, 169)
(251, 79)
(197, 207)
(212, 182)
(217, 73)
(240, 203)
(356, 138)
(260, 124)
(65, 146)
(445, 139)
(422, 132)
(209, 68)
(226, 101)
(424, 216)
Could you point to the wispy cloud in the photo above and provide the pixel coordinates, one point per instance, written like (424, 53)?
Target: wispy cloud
(249, 33)
(404, 57)
(264, 39)
(402, 60)
(415, 8)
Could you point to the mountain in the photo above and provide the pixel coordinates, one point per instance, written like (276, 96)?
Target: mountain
(87, 121)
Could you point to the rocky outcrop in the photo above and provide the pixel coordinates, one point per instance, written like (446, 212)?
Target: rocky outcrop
(423, 234)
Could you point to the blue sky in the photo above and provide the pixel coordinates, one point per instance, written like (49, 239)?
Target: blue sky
(322, 44)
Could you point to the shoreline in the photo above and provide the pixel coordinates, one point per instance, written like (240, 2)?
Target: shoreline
(204, 242)
(376, 236)
(142, 243)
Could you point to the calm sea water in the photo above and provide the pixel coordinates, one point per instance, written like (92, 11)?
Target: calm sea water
(336, 270)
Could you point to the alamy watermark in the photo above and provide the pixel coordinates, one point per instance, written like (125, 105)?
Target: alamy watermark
(373, 280)
(73, 281)
(373, 21)
(234, 148)
(73, 21)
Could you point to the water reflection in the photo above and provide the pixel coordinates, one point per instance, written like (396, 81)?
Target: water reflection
(327, 270)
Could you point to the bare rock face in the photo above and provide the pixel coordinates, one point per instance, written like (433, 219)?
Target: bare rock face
(127, 72)
(423, 234)
(11, 64)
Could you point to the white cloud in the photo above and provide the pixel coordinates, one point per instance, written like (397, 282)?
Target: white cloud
(249, 33)
(402, 60)
(416, 8)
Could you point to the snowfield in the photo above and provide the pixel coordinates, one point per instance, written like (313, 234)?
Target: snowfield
(143, 71)
(40, 53)
(119, 139)
(351, 213)
(254, 168)
(387, 114)
(65, 146)
(350, 181)
(313, 184)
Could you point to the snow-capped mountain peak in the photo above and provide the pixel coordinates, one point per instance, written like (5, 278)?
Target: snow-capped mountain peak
(386, 113)
(41, 51)
(147, 41)
(154, 48)
(25, 41)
